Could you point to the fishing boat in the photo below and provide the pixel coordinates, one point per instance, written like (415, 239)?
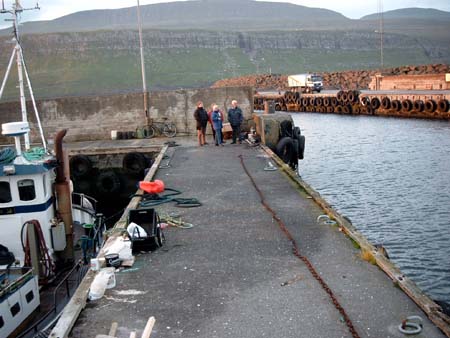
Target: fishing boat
(39, 213)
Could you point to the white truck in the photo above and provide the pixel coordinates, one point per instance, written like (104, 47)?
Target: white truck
(307, 83)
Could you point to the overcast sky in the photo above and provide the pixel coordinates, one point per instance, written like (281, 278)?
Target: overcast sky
(51, 9)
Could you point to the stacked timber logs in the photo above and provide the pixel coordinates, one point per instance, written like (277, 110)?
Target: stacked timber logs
(352, 102)
(352, 79)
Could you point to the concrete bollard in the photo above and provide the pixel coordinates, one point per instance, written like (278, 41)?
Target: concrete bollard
(269, 107)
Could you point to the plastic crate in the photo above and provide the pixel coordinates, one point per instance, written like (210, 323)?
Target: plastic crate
(147, 218)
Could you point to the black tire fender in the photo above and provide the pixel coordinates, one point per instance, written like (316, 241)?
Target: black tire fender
(108, 182)
(419, 105)
(407, 105)
(301, 147)
(296, 133)
(443, 105)
(430, 106)
(134, 163)
(375, 103)
(285, 148)
(294, 156)
(80, 165)
(386, 103)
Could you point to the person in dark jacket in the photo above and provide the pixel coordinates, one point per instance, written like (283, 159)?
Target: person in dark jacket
(235, 118)
(201, 117)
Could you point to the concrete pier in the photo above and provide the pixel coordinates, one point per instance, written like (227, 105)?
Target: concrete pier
(234, 273)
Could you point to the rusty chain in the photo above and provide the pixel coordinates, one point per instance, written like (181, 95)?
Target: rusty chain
(304, 259)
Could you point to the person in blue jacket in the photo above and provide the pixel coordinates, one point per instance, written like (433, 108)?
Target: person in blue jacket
(235, 118)
(217, 123)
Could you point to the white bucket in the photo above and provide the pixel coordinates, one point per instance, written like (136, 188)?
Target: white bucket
(113, 134)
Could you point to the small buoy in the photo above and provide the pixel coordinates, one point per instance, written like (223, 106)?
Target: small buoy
(155, 187)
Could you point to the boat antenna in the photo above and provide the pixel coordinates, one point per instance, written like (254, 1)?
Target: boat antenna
(144, 81)
(21, 69)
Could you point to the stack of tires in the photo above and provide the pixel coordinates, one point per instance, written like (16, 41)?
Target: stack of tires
(108, 182)
(291, 146)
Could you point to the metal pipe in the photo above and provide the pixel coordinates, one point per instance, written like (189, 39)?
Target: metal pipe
(63, 195)
(141, 47)
(7, 72)
(41, 131)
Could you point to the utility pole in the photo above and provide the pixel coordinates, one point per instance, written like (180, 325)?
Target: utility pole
(381, 17)
(144, 81)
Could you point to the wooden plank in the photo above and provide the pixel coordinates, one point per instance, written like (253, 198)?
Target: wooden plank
(76, 304)
(73, 308)
(433, 310)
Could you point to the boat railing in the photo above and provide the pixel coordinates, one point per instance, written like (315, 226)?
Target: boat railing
(24, 277)
(84, 203)
(61, 295)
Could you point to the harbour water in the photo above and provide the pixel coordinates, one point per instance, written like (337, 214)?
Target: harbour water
(391, 177)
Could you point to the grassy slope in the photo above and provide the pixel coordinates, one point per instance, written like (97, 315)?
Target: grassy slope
(99, 72)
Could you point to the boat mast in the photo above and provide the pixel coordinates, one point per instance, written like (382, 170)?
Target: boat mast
(144, 82)
(21, 69)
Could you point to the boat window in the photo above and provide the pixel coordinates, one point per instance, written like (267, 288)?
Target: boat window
(2, 323)
(5, 192)
(15, 309)
(29, 296)
(26, 190)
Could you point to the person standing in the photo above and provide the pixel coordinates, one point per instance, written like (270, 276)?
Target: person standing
(201, 117)
(235, 118)
(217, 117)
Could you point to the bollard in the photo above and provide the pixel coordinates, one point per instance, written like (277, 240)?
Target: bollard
(269, 107)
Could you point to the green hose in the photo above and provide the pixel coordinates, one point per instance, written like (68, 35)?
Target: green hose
(151, 200)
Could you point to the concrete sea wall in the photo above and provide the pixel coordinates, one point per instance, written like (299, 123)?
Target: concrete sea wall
(93, 117)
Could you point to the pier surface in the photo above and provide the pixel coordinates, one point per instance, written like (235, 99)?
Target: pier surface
(234, 273)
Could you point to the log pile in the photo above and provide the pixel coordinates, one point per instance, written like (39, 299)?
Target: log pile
(345, 80)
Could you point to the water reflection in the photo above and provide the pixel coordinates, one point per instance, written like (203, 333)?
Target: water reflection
(391, 177)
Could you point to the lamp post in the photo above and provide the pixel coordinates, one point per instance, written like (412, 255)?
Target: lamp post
(144, 82)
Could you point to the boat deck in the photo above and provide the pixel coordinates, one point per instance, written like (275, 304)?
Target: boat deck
(234, 274)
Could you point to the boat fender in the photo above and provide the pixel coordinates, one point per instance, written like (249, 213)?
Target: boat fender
(108, 182)
(80, 165)
(301, 147)
(154, 187)
(294, 158)
(296, 133)
(284, 149)
(134, 163)
(443, 105)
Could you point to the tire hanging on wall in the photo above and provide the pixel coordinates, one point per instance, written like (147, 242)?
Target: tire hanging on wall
(134, 163)
(108, 182)
(285, 148)
(80, 165)
(430, 106)
(386, 103)
(301, 147)
(396, 105)
(443, 105)
(296, 133)
(407, 105)
(375, 103)
(419, 105)
(294, 156)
